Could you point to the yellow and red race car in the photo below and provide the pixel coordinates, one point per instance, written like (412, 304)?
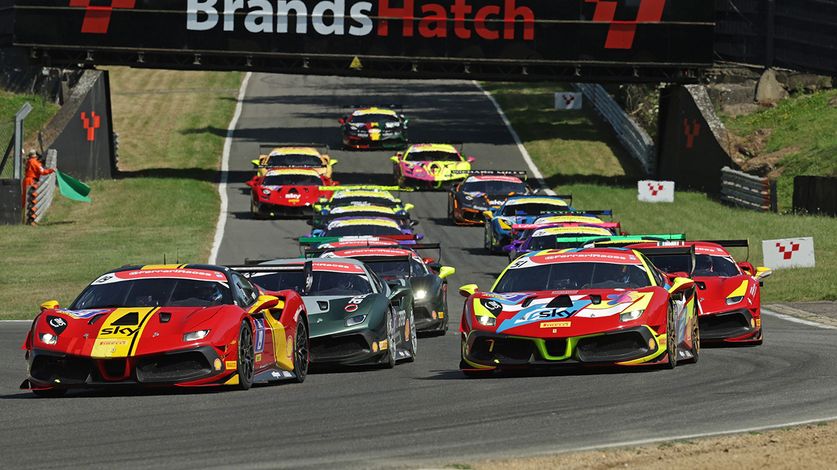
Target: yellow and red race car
(272, 157)
(430, 166)
(288, 191)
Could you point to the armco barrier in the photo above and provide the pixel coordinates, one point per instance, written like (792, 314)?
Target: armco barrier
(42, 193)
(747, 191)
(629, 133)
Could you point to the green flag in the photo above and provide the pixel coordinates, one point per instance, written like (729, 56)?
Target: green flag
(72, 188)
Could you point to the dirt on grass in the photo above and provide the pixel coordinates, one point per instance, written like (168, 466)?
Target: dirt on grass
(809, 446)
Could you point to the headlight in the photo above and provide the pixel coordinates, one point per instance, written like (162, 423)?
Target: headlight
(49, 338)
(355, 320)
(266, 192)
(485, 320)
(632, 315)
(420, 294)
(195, 335)
(734, 300)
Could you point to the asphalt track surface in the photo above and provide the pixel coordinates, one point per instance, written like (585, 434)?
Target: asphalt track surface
(419, 414)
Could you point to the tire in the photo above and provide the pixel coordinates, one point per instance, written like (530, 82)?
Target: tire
(695, 351)
(671, 341)
(302, 357)
(413, 339)
(450, 210)
(254, 209)
(50, 393)
(471, 373)
(486, 239)
(392, 349)
(246, 362)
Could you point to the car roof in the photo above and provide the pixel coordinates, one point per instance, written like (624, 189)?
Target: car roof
(545, 232)
(349, 222)
(362, 208)
(433, 148)
(498, 178)
(518, 200)
(293, 171)
(568, 218)
(585, 255)
(349, 193)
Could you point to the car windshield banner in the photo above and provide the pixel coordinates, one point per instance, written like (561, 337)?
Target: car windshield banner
(639, 33)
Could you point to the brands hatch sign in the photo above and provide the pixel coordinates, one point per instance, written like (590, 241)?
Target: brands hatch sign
(575, 33)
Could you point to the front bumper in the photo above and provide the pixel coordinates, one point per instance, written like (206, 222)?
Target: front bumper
(200, 366)
(429, 318)
(733, 326)
(639, 345)
(356, 348)
(468, 216)
(385, 142)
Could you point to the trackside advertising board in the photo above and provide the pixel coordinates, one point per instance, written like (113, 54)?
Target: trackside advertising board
(676, 34)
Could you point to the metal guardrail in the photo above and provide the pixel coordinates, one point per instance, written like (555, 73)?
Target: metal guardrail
(629, 133)
(747, 191)
(42, 193)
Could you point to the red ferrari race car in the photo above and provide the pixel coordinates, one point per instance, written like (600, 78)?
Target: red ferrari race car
(168, 325)
(585, 306)
(729, 292)
(288, 191)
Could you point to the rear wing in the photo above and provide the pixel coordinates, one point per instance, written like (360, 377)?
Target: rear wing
(517, 228)
(249, 271)
(516, 173)
(316, 252)
(365, 187)
(325, 219)
(625, 240)
(357, 106)
(401, 239)
(669, 251)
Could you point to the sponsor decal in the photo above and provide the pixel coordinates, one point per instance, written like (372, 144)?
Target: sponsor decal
(492, 306)
(383, 345)
(193, 274)
(120, 332)
(556, 324)
(58, 324)
(259, 347)
(338, 267)
(82, 314)
(506, 20)
(97, 17)
(90, 124)
(258, 357)
(231, 365)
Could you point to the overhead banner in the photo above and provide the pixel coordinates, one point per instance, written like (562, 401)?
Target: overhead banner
(639, 33)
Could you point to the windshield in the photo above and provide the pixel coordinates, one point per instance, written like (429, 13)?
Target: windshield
(572, 276)
(162, 292)
(292, 180)
(361, 201)
(705, 265)
(294, 160)
(361, 230)
(367, 118)
(532, 209)
(324, 282)
(433, 156)
(396, 269)
(494, 187)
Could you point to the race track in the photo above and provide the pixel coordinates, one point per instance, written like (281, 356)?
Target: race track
(425, 413)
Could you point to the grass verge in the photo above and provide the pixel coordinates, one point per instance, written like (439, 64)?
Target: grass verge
(569, 151)
(172, 127)
(800, 133)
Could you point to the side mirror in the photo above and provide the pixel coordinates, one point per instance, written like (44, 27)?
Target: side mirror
(470, 159)
(488, 215)
(334, 162)
(342, 121)
(49, 305)
(673, 276)
(762, 272)
(267, 302)
(420, 236)
(747, 268)
(468, 290)
(409, 207)
(394, 158)
(256, 163)
(309, 222)
(446, 271)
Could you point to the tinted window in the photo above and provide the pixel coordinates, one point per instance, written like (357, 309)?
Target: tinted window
(494, 187)
(294, 160)
(295, 180)
(367, 118)
(532, 209)
(433, 156)
(571, 276)
(247, 293)
(165, 292)
(323, 283)
(369, 201)
(708, 265)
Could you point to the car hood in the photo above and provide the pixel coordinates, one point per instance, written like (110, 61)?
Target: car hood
(566, 313)
(328, 314)
(124, 332)
(713, 292)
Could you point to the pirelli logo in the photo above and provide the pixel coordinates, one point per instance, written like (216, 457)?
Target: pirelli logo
(556, 324)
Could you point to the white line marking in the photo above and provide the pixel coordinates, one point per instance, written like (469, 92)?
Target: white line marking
(221, 225)
(641, 442)
(526, 157)
(798, 320)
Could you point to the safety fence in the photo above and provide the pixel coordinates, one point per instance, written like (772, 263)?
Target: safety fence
(42, 193)
(630, 134)
(747, 191)
(7, 144)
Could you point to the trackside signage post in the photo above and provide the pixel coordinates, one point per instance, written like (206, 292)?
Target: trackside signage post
(655, 191)
(568, 100)
(789, 253)
(624, 39)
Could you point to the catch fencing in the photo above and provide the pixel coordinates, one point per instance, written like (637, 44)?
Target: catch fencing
(42, 193)
(747, 191)
(630, 134)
